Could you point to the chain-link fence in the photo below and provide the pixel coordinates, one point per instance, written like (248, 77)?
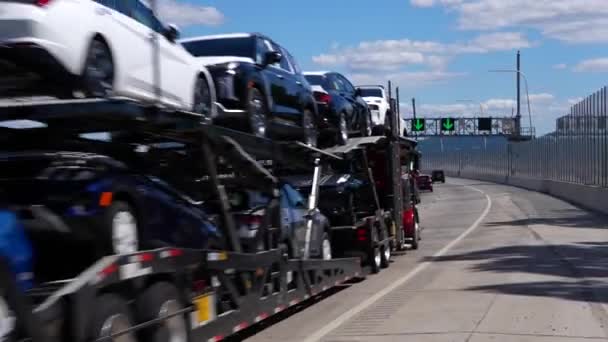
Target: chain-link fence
(577, 152)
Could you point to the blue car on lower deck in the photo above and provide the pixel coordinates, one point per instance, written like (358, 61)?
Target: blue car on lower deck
(78, 207)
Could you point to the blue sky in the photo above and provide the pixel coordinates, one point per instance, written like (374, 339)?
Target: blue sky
(438, 51)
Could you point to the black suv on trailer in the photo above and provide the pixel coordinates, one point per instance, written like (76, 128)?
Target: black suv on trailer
(342, 110)
(259, 80)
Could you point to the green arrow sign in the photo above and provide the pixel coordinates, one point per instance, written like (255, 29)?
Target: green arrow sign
(418, 125)
(447, 124)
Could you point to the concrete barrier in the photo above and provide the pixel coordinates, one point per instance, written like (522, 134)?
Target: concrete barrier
(586, 196)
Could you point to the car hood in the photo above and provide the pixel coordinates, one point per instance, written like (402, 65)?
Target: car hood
(214, 60)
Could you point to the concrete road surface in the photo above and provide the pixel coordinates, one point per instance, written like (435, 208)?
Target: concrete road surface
(497, 263)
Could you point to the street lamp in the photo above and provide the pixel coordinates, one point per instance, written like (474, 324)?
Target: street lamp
(480, 105)
(527, 93)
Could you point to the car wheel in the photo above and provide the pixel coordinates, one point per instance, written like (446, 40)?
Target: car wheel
(161, 302)
(310, 128)
(416, 237)
(111, 316)
(202, 97)
(326, 252)
(123, 227)
(256, 113)
(366, 129)
(8, 322)
(342, 136)
(98, 72)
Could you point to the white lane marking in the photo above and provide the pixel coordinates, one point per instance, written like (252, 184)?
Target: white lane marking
(325, 330)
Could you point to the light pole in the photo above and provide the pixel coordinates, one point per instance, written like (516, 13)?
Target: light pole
(527, 92)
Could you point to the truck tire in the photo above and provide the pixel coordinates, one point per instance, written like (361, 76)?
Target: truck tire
(110, 316)
(385, 258)
(156, 302)
(375, 259)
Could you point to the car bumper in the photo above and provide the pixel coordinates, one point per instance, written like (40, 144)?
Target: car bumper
(327, 120)
(425, 186)
(28, 41)
(376, 119)
(32, 57)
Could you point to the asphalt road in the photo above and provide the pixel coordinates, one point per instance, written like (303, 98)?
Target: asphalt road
(497, 263)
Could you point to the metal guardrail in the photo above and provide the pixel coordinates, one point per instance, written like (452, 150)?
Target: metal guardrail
(566, 158)
(576, 153)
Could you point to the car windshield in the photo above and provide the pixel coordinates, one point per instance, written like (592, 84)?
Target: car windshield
(319, 80)
(371, 92)
(239, 47)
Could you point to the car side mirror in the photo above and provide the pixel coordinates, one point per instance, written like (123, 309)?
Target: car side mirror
(272, 57)
(171, 33)
(357, 92)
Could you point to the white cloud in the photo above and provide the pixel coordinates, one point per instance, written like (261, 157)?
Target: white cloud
(429, 3)
(395, 54)
(405, 79)
(541, 98)
(576, 21)
(498, 41)
(185, 14)
(423, 3)
(560, 66)
(494, 106)
(592, 65)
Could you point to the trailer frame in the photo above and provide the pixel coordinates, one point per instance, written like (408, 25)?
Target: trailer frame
(255, 285)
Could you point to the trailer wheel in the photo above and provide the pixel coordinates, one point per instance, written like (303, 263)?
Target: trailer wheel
(385, 258)
(375, 259)
(111, 316)
(160, 301)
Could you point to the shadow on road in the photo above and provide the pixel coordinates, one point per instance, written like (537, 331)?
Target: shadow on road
(574, 264)
(569, 218)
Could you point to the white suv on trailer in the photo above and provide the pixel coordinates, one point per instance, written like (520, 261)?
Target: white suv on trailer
(103, 48)
(377, 101)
